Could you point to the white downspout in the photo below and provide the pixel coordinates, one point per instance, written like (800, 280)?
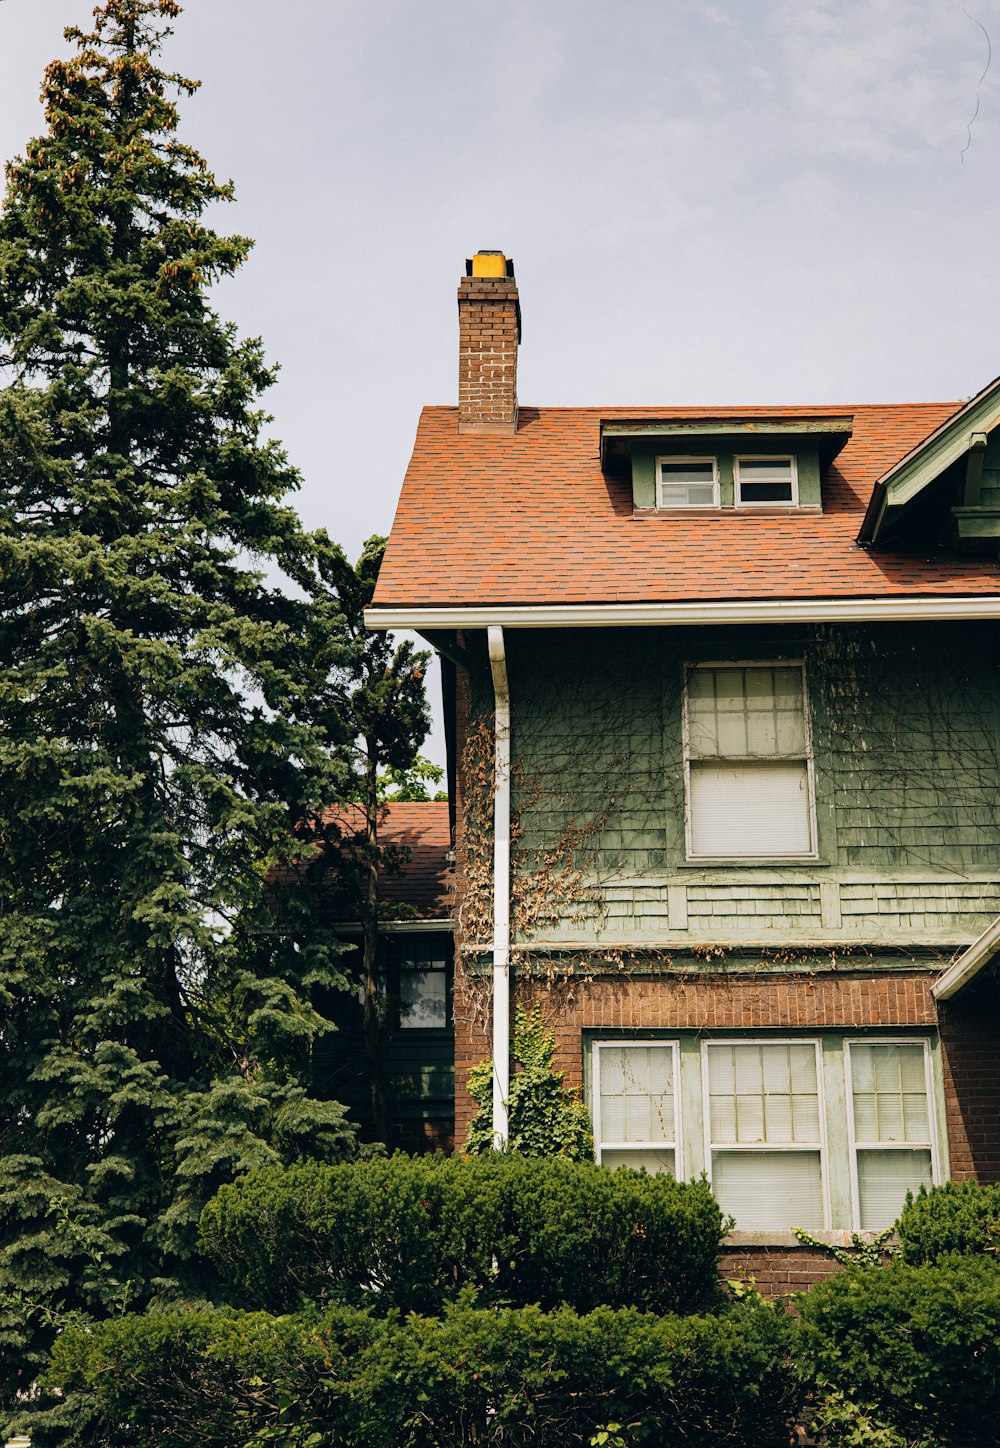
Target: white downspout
(501, 889)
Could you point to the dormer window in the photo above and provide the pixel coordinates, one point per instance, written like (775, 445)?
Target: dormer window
(687, 482)
(765, 481)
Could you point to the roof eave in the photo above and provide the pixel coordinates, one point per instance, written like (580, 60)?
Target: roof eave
(908, 607)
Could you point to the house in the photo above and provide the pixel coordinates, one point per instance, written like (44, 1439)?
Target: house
(415, 975)
(723, 706)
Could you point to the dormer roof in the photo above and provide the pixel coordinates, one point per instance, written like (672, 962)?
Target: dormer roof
(963, 436)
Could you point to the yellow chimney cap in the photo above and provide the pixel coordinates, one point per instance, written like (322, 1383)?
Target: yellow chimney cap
(489, 264)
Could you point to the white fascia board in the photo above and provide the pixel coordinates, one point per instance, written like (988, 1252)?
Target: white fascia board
(968, 964)
(652, 615)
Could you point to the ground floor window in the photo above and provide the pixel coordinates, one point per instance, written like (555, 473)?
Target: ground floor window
(814, 1132)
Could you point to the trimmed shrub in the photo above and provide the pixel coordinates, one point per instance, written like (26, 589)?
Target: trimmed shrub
(414, 1232)
(512, 1377)
(917, 1348)
(956, 1217)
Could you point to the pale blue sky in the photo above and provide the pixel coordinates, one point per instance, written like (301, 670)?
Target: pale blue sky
(731, 202)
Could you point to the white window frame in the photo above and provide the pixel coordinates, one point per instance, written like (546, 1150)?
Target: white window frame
(713, 1146)
(789, 458)
(689, 668)
(600, 1145)
(854, 1146)
(687, 507)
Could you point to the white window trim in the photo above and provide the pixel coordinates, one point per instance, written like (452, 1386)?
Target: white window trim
(689, 668)
(854, 1146)
(792, 502)
(677, 1144)
(711, 1146)
(687, 507)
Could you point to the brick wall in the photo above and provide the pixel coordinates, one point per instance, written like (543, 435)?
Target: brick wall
(670, 1002)
(777, 1271)
(488, 334)
(970, 1051)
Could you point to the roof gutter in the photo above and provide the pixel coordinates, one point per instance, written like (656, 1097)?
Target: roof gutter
(652, 615)
(501, 889)
(968, 964)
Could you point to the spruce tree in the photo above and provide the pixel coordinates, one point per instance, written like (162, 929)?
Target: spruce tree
(156, 740)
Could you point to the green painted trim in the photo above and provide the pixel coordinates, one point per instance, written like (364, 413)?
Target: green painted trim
(838, 1161)
(940, 1111)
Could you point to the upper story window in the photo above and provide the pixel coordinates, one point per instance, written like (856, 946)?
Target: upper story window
(765, 481)
(748, 762)
(687, 482)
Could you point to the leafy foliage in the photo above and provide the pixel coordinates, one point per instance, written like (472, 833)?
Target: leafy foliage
(158, 735)
(414, 1233)
(545, 1118)
(914, 1350)
(511, 1377)
(957, 1217)
(866, 1250)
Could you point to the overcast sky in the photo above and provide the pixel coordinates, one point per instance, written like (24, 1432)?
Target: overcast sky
(747, 201)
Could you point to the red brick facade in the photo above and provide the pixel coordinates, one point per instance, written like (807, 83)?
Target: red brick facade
(710, 1002)
(777, 1271)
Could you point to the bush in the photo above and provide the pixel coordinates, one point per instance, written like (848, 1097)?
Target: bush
(512, 1377)
(957, 1217)
(414, 1232)
(916, 1347)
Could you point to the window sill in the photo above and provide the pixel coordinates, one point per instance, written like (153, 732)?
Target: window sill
(741, 510)
(736, 862)
(774, 1237)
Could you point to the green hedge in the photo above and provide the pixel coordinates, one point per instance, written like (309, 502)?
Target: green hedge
(414, 1232)
(957, 1217)
(512, 1377)
(918, 1347)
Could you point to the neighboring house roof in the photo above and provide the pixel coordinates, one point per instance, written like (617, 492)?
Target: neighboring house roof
(531, 520)
(425, 879)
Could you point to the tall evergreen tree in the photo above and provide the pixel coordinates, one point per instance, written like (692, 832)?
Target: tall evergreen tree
(156, 739)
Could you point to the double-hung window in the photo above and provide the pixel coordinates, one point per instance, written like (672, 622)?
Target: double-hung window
(765, 482)
(764, 1116)
(891, 1125)
(687, 483)
(748, 762)
(764, 1131)
(636, 1104)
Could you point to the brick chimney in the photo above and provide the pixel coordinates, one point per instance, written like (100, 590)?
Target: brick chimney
(489, 329)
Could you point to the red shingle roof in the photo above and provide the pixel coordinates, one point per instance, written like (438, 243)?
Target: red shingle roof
(424, 881)
(532, 519)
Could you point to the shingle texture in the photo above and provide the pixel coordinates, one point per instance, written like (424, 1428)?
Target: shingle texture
(532, 519)
(425, 880)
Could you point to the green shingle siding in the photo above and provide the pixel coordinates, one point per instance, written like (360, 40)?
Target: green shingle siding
(907, 791)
